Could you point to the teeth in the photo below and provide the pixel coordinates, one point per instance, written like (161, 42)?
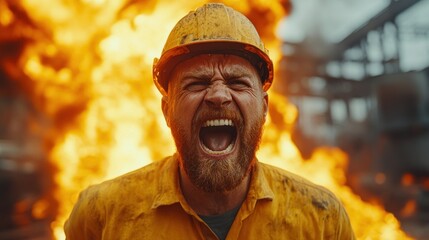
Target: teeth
(227, 150)
(218, 122)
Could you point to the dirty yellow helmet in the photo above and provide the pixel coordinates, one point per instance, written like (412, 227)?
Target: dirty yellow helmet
(212, 28)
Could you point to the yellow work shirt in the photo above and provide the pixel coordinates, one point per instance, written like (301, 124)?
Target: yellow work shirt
(148, 204)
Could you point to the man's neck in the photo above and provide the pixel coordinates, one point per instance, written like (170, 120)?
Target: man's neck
(212, 203)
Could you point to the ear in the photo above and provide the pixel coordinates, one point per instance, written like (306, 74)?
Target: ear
(165, 110)
(265, 106)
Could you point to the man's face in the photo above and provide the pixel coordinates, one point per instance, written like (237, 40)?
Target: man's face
(216, 110)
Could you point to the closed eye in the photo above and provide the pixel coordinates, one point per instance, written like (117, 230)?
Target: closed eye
(239, 84)
(196, 85)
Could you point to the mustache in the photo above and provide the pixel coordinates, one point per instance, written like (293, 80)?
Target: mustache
(205, 114)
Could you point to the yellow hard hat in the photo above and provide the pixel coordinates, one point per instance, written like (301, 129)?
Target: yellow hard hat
(212, 28)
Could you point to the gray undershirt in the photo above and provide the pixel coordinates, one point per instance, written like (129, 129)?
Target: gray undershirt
(220, 224)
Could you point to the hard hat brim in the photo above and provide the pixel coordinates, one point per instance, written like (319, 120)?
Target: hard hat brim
(259, 59)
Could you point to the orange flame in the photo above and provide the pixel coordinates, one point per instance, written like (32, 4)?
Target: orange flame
(90, 71)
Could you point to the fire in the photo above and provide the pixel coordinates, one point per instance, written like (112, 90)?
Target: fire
(90, 70)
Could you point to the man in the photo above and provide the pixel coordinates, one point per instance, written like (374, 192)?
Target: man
(214, 74)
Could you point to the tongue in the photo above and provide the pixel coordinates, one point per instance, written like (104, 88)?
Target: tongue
(216, 139)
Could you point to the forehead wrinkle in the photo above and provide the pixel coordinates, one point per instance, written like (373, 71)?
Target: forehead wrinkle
(202, 70)
(207, 67)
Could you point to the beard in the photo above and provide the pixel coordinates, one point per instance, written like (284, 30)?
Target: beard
(213, 175)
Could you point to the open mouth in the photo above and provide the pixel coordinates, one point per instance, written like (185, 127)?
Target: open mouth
(218, 136)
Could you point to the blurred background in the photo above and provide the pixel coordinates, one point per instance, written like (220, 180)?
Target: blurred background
(355, 71)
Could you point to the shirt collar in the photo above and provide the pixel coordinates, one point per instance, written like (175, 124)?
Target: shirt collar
(259, 186)
(168, 185)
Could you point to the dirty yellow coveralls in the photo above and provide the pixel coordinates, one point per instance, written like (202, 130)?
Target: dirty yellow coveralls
(148, 204)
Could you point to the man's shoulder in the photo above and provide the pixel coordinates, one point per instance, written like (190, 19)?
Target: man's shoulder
(299, 201)
(301, 189)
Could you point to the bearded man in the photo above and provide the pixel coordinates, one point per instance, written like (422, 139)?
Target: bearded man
(214, 73)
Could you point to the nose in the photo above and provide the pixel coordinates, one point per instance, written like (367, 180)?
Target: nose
(218, 95)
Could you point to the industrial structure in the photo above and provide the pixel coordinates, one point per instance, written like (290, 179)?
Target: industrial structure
(360, 95)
